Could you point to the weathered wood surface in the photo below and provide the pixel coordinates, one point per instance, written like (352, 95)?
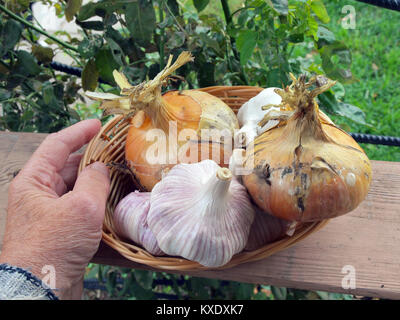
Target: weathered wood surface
(367, 239)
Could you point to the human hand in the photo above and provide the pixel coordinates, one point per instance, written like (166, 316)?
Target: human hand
(53, 220)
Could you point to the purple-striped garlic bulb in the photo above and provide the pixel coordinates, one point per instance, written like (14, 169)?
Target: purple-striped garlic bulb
(266, 229)
(200, 212)
(130, 221)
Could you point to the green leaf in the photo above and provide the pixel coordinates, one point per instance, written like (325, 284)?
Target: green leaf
(329, 104)
(10, 34)
(296, 37)
(4, 94)
(280, 6)
(312, 27)
(27, 115)
(176, 40)
(336, 62)
(72, 8)
(116, 51)
(352, 112)
(106, 64)
(174, 7)
(246, 43)
(320, 11)
(276, 77)
(43, 54)
(325, 36)
(141, 20)
(88, 48)
(100, 8)
(338, 90)
(91, 25)
(200, 4)
(87, 11)
(26, 63)
(50, 100)
(90, 76)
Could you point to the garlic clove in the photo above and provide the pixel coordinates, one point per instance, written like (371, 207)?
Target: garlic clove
(130, 221)
(200, 212)
(266, 229)
(252, 109)
(246, 134)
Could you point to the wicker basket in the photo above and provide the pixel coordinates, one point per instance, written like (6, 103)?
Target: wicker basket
(108, 146)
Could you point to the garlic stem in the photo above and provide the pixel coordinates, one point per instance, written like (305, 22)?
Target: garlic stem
(218, 185)
(224, 174)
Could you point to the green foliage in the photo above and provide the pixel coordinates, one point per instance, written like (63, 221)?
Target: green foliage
(123, 283)
(254, 45)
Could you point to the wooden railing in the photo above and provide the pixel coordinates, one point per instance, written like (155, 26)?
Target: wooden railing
(366, 241)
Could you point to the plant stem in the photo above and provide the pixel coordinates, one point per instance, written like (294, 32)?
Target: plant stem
(228, 19)
(240, 9)
(227, 12)
(161, 13)
(176, 20)
(29, 25)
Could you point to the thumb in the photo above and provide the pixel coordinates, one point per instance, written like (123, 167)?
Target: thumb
(92, 188)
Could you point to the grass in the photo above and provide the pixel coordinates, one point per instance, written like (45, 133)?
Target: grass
(375, 47)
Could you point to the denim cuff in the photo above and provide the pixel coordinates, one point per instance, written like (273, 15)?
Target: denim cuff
(19, 284)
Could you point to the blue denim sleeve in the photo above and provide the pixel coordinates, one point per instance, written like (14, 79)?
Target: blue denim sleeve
(19, 284)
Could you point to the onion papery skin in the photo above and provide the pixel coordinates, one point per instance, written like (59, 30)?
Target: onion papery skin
(307, 169)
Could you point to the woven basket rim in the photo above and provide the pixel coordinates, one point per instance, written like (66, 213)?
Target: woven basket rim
(109, 143)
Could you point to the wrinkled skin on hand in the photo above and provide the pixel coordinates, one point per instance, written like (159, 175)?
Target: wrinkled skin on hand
(54, 218)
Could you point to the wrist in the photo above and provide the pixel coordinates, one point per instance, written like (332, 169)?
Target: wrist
(17, 283)
(46, 273)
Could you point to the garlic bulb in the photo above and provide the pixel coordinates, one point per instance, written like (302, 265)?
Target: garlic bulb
(130, 221)
(200, 212)
(306, 168)
(251, 113)
(266, 229)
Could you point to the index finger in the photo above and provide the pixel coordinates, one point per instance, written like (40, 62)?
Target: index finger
(53, 153)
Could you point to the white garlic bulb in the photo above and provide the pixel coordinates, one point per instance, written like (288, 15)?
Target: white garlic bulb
(251, 113)
(200, 212)
(266, 229)
(130, 221)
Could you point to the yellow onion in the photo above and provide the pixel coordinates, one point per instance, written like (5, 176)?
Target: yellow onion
(305, 168)
(181, 116)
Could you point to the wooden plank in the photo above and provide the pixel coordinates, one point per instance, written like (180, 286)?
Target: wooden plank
(15, 150)
(366, 239)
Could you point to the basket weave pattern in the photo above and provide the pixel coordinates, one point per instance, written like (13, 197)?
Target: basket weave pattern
(108, 147)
